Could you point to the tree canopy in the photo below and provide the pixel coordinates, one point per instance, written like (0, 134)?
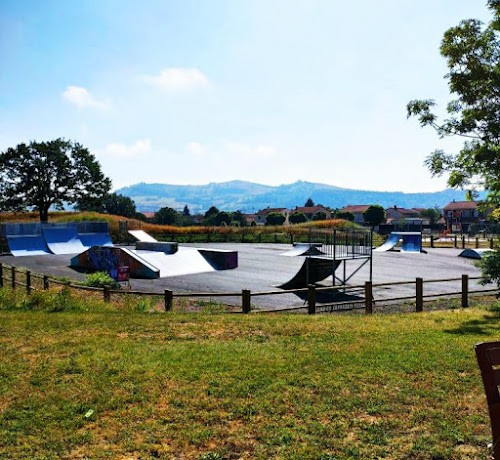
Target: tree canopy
(472, 52)
(111, 203)
(309, 203)
(42, 175)
(433, 214)
(166, 216)
(275, 218)
(374, 215)
(297, 217)
(320, 215)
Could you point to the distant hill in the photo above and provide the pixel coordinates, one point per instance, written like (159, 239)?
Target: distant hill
(250, 197)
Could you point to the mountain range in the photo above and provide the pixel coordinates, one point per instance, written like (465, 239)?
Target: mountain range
(250, 197)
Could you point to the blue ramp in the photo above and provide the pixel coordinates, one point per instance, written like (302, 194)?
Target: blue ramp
(27, 245)
(389, 244)
(63, 240)
(95, 239)
(412, 242)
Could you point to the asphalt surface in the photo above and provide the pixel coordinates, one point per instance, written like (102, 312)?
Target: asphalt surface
(261, 267)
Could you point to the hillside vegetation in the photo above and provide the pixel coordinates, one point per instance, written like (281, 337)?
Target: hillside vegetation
(122, 384)
(169, 230)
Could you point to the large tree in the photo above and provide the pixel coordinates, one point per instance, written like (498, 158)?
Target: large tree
(112, 203)
(374, 215)
(166, 216)
(472, 52)
(275, 218)
(42, 175)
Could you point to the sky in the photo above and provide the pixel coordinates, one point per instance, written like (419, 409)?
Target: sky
(200, 91)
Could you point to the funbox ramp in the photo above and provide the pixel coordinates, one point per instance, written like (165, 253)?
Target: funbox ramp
(319, 269)
(303, 249)
(27, 245)
(184, 262)
(141, 235)
(63, 240)
(107, 258)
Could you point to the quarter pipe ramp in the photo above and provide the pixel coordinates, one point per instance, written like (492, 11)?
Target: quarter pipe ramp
(63, 240)
(27, 245)
(313, 269)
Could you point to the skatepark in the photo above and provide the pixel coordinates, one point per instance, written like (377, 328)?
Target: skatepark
(259, 267)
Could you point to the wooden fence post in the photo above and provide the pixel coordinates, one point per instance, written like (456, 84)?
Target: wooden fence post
(28, 282)
(311, 299)
(455, 244)
(419, 294)
(463, 242)
(106, 294)
(13, 277)
(1, 275)
(45, 282)
(432, 241)
(465, 291)
(246, 299)
(477, 242)
(491, 243)
(169, 298)
(368, 297)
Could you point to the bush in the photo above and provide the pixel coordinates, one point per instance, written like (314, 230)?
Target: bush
(100, 280)
(490, 267)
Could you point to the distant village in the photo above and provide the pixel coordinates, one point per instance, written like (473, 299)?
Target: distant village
(455, 217)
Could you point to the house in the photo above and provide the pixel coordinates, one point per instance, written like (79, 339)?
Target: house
(309, 211)
(260, 216)
(148, 215)
(250, 218)
(357, 211)
(396, 214)
(461, 215)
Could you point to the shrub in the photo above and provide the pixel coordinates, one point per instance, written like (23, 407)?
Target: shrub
(100, 280)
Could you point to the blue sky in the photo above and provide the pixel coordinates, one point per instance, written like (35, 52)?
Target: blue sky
(192, 92)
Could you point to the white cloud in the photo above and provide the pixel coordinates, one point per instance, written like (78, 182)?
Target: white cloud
(195, 148)
(178, 79)
(239, 148)
(82, 98)
(139, 148)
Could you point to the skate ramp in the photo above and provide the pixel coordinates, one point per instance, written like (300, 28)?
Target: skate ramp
(390, 243)
(107, 258)
(95, 239)
(184, 262)
(303, 249)
(141, 235)
(412, 242)
(319, 269)
(27, 245)
(474, 253)
(63, 240)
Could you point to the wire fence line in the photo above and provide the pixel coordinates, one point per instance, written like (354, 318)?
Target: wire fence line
(361, 296)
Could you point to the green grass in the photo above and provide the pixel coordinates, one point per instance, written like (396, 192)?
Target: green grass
(124, 384)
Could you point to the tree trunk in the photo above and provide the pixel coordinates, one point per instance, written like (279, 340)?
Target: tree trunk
(44, 214)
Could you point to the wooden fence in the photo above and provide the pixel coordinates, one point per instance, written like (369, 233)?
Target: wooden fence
(458, 242)
(9, 277)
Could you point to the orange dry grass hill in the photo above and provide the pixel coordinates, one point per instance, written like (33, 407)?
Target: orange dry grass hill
(68, 216)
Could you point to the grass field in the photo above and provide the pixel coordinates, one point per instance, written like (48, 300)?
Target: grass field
(109, 384)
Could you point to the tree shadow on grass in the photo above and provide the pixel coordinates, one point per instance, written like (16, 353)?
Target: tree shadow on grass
(482, 326)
